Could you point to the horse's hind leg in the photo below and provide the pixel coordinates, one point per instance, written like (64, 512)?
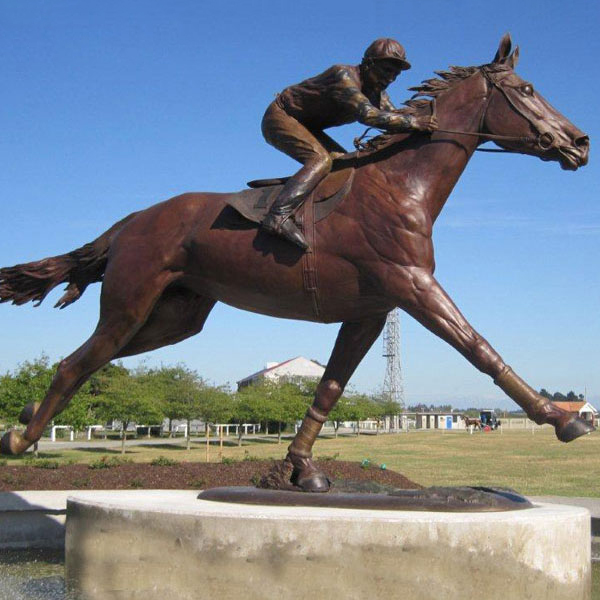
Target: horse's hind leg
(125, 306)
(178, 314)
(353, 342)
(420, 295)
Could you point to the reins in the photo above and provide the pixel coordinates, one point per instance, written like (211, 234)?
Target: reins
(359, 145)
(489, 136)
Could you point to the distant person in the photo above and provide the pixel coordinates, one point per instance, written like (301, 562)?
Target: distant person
(295, 120)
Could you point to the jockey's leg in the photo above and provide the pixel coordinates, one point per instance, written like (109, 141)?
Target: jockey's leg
(291, 137)
(353, 342)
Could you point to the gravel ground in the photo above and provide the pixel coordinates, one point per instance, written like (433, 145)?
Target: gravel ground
(177, 476)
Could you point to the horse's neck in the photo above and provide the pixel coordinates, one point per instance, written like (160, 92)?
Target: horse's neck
(437, 164)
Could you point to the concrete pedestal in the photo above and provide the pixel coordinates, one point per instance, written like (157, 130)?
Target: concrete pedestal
(167, 544)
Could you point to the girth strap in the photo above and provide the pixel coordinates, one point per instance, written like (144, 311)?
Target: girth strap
(305, 219)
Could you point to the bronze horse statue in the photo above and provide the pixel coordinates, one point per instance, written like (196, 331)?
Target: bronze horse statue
(163, 268)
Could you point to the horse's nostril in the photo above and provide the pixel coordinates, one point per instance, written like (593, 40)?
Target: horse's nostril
(582, 142)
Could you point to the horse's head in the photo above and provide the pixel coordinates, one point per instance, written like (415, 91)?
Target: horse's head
(516, 109)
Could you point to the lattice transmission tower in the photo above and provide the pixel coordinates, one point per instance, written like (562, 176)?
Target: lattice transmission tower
(392, 384)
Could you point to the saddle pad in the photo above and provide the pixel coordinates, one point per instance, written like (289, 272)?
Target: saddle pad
(254, 204)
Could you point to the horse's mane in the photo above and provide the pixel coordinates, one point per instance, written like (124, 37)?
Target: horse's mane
(427, 92)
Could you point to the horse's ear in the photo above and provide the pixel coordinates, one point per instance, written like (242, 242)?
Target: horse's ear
(503, 49)
(513, 59)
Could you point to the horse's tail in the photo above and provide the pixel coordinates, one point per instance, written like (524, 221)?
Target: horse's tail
(32, 281)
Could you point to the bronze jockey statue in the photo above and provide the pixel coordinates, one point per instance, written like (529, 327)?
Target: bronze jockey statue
(295, 120)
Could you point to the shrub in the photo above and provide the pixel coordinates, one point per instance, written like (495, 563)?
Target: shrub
(136, 483)
(107, 462)
(228, 461)
(163, 461)
(3, 462)
(80, 483)
(329, 457)
(196, 483)
(249, 457)
(45, 463)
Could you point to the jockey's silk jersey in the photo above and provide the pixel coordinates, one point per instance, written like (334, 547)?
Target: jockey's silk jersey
(324, 101)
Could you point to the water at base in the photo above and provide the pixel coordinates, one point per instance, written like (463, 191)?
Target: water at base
(32, 575)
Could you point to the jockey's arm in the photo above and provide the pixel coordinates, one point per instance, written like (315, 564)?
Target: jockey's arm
(385, 103)
(369, 115)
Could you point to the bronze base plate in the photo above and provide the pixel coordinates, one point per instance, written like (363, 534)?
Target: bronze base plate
(369, 496)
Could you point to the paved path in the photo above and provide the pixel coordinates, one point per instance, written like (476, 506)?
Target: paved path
(46, 445)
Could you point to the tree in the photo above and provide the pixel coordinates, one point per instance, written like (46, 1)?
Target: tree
(377, 409)
(360, 408)
(80, 412)
(28, 383)
(214, 406)
(181, 397)
(127, 398)
(288, 401)
(386, 406)
(173, 388)
(185, 395)
(243, 408)
(559, 397)
(340, 412)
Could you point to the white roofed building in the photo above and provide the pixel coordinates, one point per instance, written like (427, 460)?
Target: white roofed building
(294, 367)
(582, 409)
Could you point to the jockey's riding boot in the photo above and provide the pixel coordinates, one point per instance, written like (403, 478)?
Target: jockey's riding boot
(539, 409)
(284, 226)
(294, 192)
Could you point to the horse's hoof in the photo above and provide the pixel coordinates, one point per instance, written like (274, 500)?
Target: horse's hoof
(573, 428)
(306, 476)
(28, 412)
(13, 443)
(315, 482)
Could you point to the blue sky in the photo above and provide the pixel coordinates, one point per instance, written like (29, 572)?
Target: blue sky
(108, 107)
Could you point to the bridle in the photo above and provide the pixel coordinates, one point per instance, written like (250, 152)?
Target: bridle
(544, 139)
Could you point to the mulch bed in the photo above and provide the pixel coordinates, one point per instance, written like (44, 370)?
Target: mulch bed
(194, 475)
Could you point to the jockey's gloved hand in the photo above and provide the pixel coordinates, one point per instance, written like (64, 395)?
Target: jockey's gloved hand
(425, 123)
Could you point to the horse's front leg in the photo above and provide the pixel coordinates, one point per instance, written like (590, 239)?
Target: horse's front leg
(353, 342)
(420, 295)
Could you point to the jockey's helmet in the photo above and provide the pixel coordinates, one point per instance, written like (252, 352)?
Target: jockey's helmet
(386, 49)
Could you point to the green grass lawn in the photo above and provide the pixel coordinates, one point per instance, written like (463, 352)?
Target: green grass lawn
(534, 464)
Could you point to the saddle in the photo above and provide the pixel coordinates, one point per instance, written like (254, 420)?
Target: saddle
(254, 203)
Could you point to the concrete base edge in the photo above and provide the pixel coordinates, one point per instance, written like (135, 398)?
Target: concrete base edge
(159, 544)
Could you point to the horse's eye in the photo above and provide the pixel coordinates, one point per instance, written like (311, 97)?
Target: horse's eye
(527, 89)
